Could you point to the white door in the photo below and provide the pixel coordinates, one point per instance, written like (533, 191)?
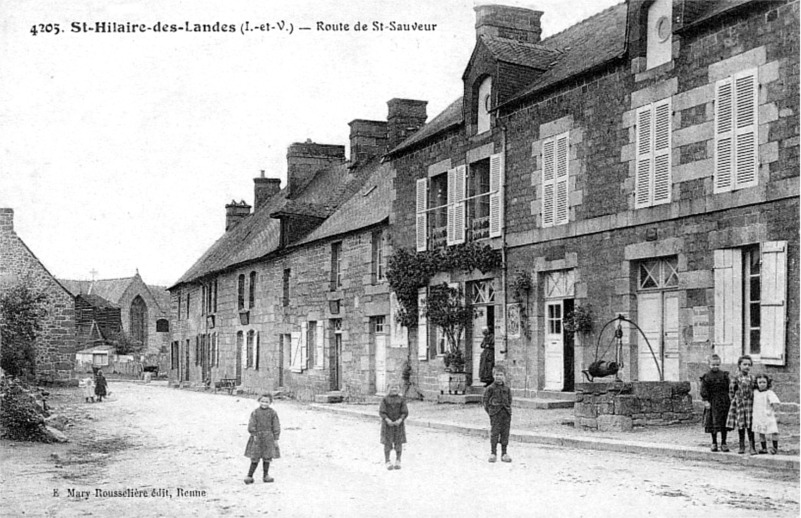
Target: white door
(380, 363)
(554, 346)
(658, 317)
(479, 323)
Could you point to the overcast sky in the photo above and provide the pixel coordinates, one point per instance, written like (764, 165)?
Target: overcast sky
(120, 151)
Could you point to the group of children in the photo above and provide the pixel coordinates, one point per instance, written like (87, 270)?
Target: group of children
(745, 403)
(94, 387)
(264, 426)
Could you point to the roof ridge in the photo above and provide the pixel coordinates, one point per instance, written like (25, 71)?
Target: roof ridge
(585, 20)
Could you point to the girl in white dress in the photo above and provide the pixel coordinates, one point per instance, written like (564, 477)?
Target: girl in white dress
(766, 404)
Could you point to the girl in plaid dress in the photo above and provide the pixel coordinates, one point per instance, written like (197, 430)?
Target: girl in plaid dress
(741, 392)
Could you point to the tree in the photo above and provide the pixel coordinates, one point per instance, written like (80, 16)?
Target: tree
(22, 310)
(124, 344)
(446, 309)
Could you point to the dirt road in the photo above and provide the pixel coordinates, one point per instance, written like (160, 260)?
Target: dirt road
(155, 451)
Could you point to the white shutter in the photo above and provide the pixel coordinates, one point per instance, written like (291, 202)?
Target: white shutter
(422, 216)
(745, 129)
(548, 179)
(561, 198)
(645, 157)
(304, 347)
(459, 186)
(295, 353)
(662, 178)
(724, 125)
(422, 327)
(451, 195)
(774, 302)
(728, 304)
(496, 195)
(319, 347)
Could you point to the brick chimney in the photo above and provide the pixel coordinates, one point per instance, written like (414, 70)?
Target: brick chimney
(234, 213)
(264, 189)
(6, 221)
(304, 160)
(405, 117)
(368, 139)
(515, 23)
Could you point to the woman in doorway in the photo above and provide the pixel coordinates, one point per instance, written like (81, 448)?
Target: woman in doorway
(487, 358)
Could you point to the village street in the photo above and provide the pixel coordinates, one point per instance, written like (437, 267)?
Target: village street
(157, 440)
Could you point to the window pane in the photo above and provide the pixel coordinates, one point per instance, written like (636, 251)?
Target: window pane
(754, 319)
(755, 347)
(754, 260)
(754, 295)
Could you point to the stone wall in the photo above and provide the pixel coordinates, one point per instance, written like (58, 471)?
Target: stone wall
(623, 406)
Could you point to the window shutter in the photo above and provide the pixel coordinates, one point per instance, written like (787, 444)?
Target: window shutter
(561, 198)
(728, 304)
(662, 177)
(451, 196)
(295, 363)
(642, 179)
(319, 351)
(459, 184)
(422, 327)
(304, 347)
(496, 195)
(548, 180)
(774, 302)
(422, 216)
(724, 125)
(745, 130)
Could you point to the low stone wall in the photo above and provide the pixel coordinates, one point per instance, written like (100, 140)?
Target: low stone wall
(623, 406)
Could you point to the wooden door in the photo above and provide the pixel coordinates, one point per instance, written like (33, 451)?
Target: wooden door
(554, 345)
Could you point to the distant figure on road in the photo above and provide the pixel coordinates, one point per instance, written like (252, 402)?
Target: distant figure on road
(264, 428)
(101, 385)
(498, 404)
(766, 404)
(393, 412)
(715, 394)
(88, 386)
(741, 412)
(487, 358)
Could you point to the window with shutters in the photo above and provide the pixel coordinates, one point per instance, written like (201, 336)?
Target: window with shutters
(555, 175)
(459, 203)
(750, 302)
(653, 178)
(736, 125)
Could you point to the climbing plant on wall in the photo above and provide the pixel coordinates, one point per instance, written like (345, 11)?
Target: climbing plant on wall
(407, 271)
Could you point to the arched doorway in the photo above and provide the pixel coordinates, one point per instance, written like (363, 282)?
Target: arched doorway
(138, 327)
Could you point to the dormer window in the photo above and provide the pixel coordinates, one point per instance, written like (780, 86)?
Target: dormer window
(659, 32)
(484, 101)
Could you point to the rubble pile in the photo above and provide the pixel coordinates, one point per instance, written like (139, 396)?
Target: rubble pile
(25, 416)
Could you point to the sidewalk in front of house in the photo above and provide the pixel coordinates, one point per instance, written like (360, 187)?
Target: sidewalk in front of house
(555, 427)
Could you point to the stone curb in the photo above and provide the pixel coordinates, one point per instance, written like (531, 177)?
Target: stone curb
(784, 462)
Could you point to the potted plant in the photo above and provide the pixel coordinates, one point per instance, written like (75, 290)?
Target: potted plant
(579, 321)
(446, 309)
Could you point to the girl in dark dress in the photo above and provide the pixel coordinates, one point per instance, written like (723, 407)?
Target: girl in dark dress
(100, 385)
(715, 394)
(264, 428)
(393, 412)
(487, 361)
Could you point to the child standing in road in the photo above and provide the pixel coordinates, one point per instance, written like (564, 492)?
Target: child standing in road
(101, 386)
(498, 404)
(264, 429)
(393, 412)
(766, 404)
(741, 392)
(715, 394)
(88, 385)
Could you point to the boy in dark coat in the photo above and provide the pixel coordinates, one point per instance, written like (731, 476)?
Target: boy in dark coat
(715, 394)
(264, 429)
(100, 385)
(393, 412)
(498, 404)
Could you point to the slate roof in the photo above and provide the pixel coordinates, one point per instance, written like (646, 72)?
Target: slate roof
(450, 116)
(581, 47)
(532, 55)
(698, 11)
(257, 235)
(109, 289)
(97, 301)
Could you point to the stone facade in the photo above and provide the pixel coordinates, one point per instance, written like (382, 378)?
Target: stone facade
(55, 346)
(624, 406)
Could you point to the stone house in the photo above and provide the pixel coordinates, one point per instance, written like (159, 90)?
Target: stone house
(293, 295)
(142, 310)
(644, 163)
(55, 346)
